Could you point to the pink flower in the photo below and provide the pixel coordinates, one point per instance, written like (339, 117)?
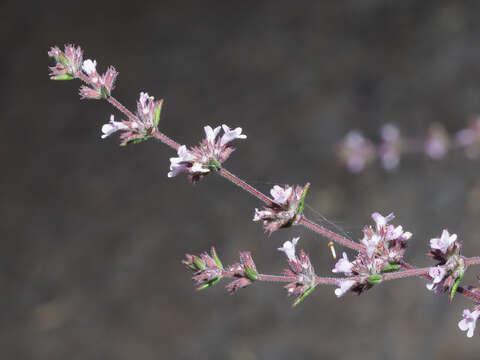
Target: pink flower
(356, 151)
(99, 86)
(208, 156)
(289, 249)
(343, 265)
(344, 286)
(437, 142)
(111, 127)
(381, 221)
(469, 321)
(281, 195)
(444, 242)
(390, 149)
(437, 273)
(371, 242)
(68, 63)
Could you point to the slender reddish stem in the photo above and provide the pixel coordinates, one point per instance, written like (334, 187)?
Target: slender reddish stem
(405, 273)
(330, 234)
(472, 260)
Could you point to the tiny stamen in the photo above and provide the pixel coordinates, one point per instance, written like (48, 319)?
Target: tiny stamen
(332, 249)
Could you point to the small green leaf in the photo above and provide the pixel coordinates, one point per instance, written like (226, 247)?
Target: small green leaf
(456, 284)
(214, 165)
(135, 141)
(304, 295)
(391, 268)
(251, 273)
(208, 284)
(158, 109)
(216, 258)
(375, 279)
(104, 93)
(200, 264)
(302, 201)
(63, 60)
(63, 77)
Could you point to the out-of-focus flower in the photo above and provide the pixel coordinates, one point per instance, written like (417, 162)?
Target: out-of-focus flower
(437, 142)
(469, 139)
(208, 156)
(286, 209)
(469, 321)
(356, 151)
(68, 63)
(391, 147)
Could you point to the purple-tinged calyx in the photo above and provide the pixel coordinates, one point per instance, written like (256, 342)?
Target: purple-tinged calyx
(68, 62)
(301, 268)
(245, 271)
(208, 156)
(100, 86)
(207, 268)
(286, 209)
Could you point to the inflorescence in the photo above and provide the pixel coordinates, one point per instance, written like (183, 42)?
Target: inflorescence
(379, 254)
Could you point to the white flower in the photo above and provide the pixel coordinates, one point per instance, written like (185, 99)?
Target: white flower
(343, 265)
(289, 249)
(179, 164)
(230, 135)
(371, 243)
(89, 66)
(393, 233)
(261, 214)
(112, 126)
(281, 195)
(444, 242)
(211, 134)
(345, 285)
(437, 273)
(469, 321)
(381, 221)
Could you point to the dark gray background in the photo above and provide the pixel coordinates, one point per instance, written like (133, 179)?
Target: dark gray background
(93, 234)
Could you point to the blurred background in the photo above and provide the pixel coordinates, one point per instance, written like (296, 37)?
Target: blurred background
(93, 233)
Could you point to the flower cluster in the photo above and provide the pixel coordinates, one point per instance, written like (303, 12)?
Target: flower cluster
(208, 269)
(68, 63)
(301, 268)
(448, 273)
(139, 128)
(469, 320)
(384, 248)
(286, 209)
(245, 273)
(101, 86)
(208, 156)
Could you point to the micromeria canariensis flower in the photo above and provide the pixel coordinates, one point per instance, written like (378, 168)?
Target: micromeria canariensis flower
(100, 86)
(469, 321)
(438, 274)
(245, 272)
(391, 147)
(208, 156)
(444, 243)
(112, 126)
(289, 249)
(285, 211)
(68, 63)
(356, 151)
(343, 266)
(142, 126)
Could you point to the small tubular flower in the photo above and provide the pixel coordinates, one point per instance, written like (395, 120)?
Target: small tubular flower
(469, 321)
(286, 210)
(343, 265)
(344, 286)
(438, 274)
(445, 243)
(208, 156)
(112, 126)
